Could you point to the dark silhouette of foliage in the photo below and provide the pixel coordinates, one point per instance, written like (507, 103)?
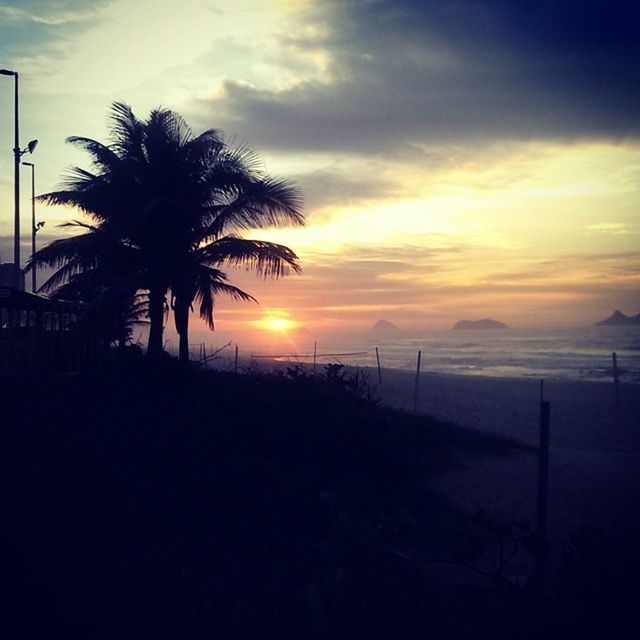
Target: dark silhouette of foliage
(166, 210)
(278, 516)
(303, 512)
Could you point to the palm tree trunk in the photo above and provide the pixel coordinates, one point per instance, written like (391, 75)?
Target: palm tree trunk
(181, 315)
(156, 322)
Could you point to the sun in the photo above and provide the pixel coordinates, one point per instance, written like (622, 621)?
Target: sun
(277, 323)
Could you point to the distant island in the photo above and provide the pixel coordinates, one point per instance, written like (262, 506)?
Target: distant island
(485, 323)
(619, 319)
(385, 327)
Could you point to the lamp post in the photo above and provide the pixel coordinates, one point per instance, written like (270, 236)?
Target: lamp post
(17, 154)
(16, 185)
(34, 227)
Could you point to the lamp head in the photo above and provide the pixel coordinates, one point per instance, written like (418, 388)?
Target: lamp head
(32, 145)
(28, 164)
(7, 72)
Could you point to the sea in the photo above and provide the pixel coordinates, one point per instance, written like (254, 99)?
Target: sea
(584, 353)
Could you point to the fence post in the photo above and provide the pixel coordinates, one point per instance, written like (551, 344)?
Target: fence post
(378, 360)
(315, 352)
(616, 387)
(235, 365)
(415, 389)
(543, 489)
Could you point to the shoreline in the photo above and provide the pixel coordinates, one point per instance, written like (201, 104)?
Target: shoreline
(594, 472)
(503, 405)
(576, 354)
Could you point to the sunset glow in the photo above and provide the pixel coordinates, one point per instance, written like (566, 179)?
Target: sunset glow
(423, 205)
(277, 323)
(321, 318)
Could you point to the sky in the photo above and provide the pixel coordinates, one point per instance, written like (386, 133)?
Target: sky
(458, 158)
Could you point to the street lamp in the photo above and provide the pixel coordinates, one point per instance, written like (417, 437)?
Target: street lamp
(17, 154)
(16, 183)
(34, 227)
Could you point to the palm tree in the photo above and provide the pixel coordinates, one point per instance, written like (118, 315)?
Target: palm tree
(110, 302)
(166, 210)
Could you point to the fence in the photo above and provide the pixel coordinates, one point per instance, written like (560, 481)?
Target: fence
(39, 336)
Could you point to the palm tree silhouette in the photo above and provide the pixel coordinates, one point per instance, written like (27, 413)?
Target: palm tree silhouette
(166, 210)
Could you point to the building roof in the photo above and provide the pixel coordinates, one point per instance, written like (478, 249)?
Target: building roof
(14, 298)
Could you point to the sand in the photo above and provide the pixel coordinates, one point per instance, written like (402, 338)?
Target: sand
(594, 472)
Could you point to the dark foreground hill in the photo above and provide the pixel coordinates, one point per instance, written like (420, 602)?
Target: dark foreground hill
(162, 502)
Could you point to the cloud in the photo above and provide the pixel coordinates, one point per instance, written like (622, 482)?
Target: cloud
(402, 74)
(441, 284)
(337, 186)
(171, 50)
(611, 228)
(36, 35)
(54, 16)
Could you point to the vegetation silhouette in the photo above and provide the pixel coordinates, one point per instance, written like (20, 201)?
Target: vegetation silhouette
(166, 208)
(154, 500)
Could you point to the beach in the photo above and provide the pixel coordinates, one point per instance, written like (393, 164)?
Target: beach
(594, 468)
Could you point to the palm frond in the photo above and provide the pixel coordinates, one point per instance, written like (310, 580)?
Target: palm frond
(208, 285)
(204, 148)
(168, 127)
(245, 157)
(62, 276)
(105, 284)
(84, 247)
(96, 251)
(79, 224)
(127, 133)
(103, 157)
(268, 259)
(112, 307)
(76, 199)
(263, 203)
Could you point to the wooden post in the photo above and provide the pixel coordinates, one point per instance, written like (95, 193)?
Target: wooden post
(616, 388)
(204, 353)
(315, 353)
(415, 389)
(235, 366)
(378, 360)
(543, 489)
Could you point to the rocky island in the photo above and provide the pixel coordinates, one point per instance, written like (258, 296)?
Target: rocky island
(485, 323)
(619, 319)
(385, 328)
